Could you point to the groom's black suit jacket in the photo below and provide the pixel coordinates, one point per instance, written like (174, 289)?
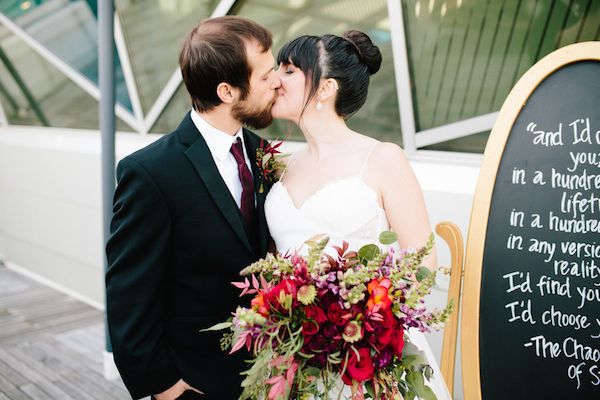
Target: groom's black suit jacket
(177, 241)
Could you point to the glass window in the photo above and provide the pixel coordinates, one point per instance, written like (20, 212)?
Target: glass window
(466, 55)
(178, 106)
(69, 29)
(154, 31)
(291, 18)
(468, 144)
(33, 92)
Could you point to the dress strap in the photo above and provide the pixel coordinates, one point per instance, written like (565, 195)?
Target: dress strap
(362, 169)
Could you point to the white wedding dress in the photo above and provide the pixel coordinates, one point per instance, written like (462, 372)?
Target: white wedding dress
(345, 209)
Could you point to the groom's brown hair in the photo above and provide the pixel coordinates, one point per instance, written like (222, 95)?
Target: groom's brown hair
(214, 52)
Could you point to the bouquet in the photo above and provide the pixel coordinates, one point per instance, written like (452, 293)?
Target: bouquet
(319, 322)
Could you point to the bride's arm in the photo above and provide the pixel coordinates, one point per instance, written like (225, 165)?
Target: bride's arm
(402, 198)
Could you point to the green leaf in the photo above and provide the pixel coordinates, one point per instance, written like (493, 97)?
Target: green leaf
(417, 383)
(368, 252)
(428, 394)
(370, 389)
(218, 327)
(388, 237)
(422, 273)
(410, 349)
(414, 361)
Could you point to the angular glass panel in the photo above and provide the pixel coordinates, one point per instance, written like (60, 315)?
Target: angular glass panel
(154, 31)
(466, 55)
(178, 106)
(468, 144)
(69, 29)
(288, 19)
(33, 92)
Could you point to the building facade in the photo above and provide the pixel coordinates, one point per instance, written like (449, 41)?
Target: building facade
(447, 67)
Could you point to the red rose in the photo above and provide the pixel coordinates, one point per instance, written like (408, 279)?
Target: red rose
(397, 341)
(359, 370)
(335, 313)
(316, 314)
(287, 287)
(309, 328)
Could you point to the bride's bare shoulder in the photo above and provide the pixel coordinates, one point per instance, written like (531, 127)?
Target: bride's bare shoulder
(389, 155)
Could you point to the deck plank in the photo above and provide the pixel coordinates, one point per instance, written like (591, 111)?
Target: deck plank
(51, 345)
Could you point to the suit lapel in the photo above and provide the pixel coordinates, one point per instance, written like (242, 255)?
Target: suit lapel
(252, 142)
(199, 155)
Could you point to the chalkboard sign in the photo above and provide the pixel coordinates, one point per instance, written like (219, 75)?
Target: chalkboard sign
(531, 308)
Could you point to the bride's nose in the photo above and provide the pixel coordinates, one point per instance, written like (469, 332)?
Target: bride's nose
(275, 82)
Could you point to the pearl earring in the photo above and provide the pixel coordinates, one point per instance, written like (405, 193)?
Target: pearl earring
(319, 105)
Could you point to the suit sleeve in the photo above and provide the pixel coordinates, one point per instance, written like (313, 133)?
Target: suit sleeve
(137, 254)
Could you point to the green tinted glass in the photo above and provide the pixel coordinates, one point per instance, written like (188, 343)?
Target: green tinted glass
(466, 55)
(68, 29)
(288, 19)
(178, 106)
(154, 31)
(33, 92)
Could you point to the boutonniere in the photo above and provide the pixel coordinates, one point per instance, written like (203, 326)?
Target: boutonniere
(270, 162)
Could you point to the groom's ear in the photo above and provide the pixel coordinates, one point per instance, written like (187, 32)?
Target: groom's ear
(328, 88)
(227, 93)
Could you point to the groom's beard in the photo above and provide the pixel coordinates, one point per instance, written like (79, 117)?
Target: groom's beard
(254, 118)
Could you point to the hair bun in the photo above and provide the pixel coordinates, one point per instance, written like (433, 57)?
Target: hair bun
(367, 51)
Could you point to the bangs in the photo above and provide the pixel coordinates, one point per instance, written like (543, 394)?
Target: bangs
(302, 52)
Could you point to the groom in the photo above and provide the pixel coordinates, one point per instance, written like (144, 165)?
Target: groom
(188, 216)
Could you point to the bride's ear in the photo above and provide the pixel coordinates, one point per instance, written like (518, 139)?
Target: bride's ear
(328, 89)
(227, 93)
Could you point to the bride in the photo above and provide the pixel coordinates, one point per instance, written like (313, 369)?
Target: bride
(343, 184)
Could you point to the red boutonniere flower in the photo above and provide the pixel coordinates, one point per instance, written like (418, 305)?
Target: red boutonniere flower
(269, 162)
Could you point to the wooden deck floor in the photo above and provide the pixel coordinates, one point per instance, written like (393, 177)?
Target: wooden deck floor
(50, 345)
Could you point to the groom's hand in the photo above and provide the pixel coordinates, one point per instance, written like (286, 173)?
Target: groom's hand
(175, 391)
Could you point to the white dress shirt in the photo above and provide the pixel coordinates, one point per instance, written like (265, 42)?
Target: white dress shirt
(219, 143)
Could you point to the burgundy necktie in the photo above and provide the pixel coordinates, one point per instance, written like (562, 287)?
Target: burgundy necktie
(247, 203)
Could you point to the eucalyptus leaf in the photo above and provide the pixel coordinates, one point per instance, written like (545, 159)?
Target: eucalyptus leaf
(414, 361)
(368, 252)
(410, 349)
(428, 371)
(388, 237)
(218, 327)
(422, 273)
(416, 382)
(428, 394)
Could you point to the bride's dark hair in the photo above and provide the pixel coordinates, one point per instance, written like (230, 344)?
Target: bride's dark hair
(349, 59)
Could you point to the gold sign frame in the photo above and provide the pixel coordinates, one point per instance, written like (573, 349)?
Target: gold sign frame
(516, 100)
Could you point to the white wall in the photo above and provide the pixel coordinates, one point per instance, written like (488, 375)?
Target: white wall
(50, 207)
